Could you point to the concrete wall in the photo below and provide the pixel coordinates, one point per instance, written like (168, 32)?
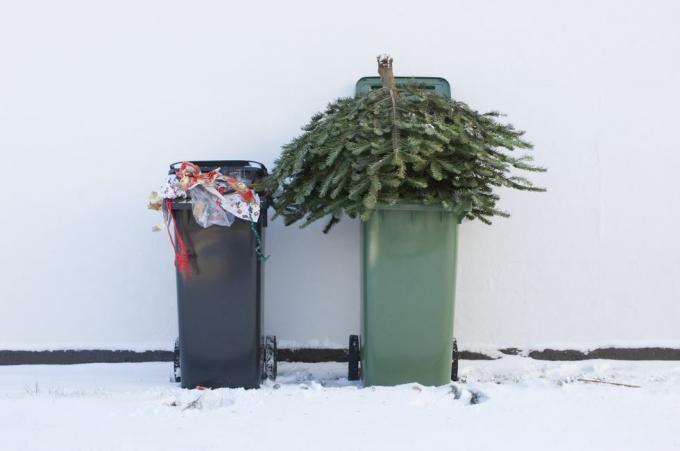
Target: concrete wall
(97, 97)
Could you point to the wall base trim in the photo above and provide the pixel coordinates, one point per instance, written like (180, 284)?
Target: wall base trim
(313, 355)
(71, 356)
(608, 353)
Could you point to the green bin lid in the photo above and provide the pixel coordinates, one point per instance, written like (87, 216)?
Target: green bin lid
(438, 85)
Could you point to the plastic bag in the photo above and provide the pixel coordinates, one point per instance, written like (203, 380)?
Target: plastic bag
(207, 208)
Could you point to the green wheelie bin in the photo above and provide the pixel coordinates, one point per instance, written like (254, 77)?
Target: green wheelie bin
(408, 265)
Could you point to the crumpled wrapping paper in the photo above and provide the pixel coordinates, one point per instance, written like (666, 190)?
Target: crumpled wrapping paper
(216, 199)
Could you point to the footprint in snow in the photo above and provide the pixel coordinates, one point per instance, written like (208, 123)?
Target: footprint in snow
(469, 395)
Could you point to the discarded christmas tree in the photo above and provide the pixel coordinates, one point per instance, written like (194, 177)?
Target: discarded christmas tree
(398, 145)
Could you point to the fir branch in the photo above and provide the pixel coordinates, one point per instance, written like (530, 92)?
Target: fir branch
(393, 145)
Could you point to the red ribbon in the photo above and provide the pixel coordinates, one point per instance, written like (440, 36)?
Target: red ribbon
(178, 245)
(242, 189)
(189, 174)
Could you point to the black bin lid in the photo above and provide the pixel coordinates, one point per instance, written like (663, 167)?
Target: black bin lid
(248, 171)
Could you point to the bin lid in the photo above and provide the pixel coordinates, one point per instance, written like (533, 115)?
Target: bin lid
(438, 85)
(248, 171)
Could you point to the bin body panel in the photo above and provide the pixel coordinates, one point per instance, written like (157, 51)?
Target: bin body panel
(219, 305)
(408, 285)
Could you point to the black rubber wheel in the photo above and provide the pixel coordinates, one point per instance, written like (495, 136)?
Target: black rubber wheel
(175, 363)
(454, 362)
(270, 367)
(353, 358)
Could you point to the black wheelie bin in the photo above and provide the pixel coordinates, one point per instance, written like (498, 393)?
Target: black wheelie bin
(221, 342)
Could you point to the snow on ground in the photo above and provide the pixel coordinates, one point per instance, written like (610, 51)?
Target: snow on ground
(510, 403)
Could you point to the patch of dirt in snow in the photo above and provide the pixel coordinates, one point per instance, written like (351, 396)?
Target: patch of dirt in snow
(530, 372)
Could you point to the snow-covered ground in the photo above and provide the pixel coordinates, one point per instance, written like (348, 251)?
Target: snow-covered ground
(510, 403)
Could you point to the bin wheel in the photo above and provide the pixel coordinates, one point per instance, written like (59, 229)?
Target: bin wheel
(353, 358)
(175, 363)
(270, 367)
(454, 362)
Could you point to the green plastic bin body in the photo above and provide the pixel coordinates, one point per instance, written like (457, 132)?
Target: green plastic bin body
(408, 286)
(408, 283)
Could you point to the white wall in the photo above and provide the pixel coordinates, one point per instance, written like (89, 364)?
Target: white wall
(97, 97)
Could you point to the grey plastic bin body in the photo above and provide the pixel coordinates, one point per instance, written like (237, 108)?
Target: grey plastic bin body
(220, 305)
